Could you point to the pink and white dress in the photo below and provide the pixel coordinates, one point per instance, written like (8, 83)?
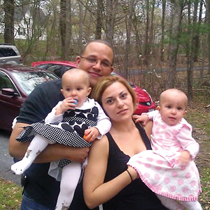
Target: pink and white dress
(159, 168)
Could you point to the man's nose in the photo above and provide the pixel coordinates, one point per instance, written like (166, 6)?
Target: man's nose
(97, 65)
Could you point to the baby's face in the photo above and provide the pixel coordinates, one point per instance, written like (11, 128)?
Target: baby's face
(172, 109)
(77, 89)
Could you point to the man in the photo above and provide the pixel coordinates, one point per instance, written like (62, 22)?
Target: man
(41, 190)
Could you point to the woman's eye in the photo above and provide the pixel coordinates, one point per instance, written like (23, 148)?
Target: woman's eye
(124, 95)
(110, 101)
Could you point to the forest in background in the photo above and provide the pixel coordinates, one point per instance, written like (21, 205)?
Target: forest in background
(152, 37)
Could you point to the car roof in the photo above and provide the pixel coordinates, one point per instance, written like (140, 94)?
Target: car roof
(69, 63)
(21, 68)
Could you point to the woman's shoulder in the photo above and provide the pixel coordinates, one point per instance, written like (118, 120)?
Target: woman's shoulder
(100, 143)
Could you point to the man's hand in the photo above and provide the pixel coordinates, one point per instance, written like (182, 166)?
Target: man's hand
(184, 158)
(78, 154)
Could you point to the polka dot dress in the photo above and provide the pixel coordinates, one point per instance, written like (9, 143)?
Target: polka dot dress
(69, 132)
(159, 168)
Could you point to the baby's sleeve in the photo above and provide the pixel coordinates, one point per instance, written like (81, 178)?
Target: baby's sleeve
(52, 118)
(103, 122)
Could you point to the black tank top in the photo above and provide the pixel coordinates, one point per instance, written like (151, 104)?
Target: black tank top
(136, 195)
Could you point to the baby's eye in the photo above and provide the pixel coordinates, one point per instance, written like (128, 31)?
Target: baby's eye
(68, 89)
(79, 88)
(168, 107)
(179, 108)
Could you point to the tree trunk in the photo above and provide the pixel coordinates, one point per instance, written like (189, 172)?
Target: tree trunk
(146, 44)
(65, 28)
(129, 16)
(162, 30)
(208, 23)
(111, 6)
(174, 42)
(99, 19)
(9, 6)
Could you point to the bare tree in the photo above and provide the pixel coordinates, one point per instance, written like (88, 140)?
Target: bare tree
(111, 6)
(208, 23)
(174, 42)
(99, 17)
(128, 35)
(9, 6)
(162, 29)
(65, 28)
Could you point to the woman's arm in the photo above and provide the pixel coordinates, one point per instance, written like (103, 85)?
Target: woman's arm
(96, 191)
(51, 153)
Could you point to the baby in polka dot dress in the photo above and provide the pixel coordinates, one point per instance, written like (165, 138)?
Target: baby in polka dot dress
(169, 169)
(76, 121)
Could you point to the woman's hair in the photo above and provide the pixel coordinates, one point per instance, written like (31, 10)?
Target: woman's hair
(105, 82)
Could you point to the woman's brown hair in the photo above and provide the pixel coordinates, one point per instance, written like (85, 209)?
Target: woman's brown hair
(105, 82)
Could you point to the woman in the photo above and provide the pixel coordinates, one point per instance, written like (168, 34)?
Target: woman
(107, 179)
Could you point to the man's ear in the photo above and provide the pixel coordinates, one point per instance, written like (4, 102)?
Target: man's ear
(89, 90)
(78, 59)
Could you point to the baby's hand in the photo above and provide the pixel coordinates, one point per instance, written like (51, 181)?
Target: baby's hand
(184, 158)
(143, 118)
(67, 103)
(91, 134)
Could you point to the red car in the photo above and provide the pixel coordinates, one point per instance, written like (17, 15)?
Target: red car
(146, 103)
(16, 83)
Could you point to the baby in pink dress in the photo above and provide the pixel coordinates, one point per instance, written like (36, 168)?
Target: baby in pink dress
(169, 169)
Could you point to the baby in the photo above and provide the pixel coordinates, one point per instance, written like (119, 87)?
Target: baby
(169, 169)
(76, 121)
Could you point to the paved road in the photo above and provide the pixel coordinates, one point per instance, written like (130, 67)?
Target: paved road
(5, 159)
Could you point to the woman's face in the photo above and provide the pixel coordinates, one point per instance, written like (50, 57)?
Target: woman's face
(117, 102)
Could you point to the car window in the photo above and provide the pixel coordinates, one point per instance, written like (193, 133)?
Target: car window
(29, 80)
(42, 66)
(5, 81)
(6, 52)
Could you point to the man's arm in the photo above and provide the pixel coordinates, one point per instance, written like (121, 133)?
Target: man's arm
(53, 152)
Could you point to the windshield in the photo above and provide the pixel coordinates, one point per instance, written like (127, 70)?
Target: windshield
(29, 80)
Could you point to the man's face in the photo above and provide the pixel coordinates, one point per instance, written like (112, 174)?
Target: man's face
(96, 60)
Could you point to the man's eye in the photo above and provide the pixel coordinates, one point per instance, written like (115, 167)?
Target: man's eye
(105, 63)
(91, 60)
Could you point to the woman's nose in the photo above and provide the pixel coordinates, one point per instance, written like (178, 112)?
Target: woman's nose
(120, 102)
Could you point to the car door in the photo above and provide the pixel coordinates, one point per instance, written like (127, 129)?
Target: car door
(9, 104)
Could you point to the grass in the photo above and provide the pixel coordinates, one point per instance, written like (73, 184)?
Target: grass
(10, 195)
